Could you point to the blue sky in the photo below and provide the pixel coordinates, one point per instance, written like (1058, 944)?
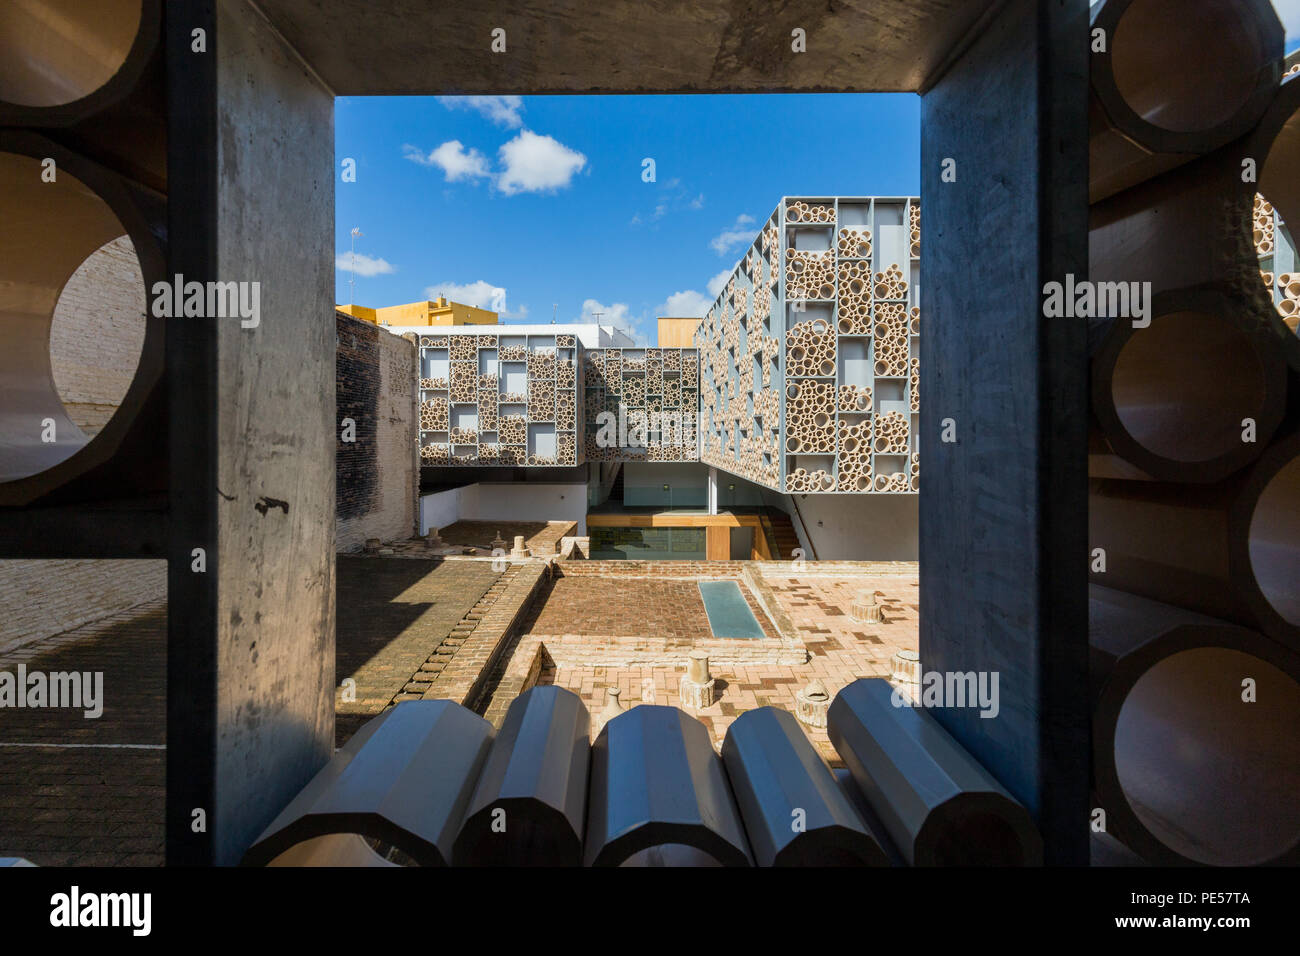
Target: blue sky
(544, 197)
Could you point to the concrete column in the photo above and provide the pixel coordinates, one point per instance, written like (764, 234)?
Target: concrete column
(251, 638)
(1004, 196)
(713, 490)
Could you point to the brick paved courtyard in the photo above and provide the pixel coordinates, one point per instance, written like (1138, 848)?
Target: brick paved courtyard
(840, 650)
(629, 606)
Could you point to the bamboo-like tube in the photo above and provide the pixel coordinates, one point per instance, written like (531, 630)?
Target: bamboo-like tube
(53, 228)
(1187, 769)
(62, 60)
(1171, 398)
(1229, 550)
(1177, 78)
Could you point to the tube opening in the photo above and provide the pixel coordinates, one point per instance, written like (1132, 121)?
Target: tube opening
(1274, 542)
(1187, 67)
(54, 52)
(978, 839)
(1182, 386)
(72, 315)
(1209, 775)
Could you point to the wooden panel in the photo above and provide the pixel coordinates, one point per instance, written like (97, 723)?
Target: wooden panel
(718, 543)
(672, 521)
(677, 333)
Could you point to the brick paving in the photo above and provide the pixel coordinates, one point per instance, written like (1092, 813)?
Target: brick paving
(92, 804)
(627, 607)
(841, 650)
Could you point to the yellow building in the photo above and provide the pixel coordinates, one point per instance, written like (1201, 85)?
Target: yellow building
(438, 312)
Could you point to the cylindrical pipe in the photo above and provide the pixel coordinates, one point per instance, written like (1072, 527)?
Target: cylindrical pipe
(1230, 550)
(1194, 760)
(1172, 398)
(62, 60)
(1176, 78)
(1192, 227)
(1275, 148)
(939, 806)
(53, 228)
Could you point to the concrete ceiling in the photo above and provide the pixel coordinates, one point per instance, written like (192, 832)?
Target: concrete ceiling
(362, 47)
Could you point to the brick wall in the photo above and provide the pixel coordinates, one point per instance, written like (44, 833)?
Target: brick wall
(42, 598)
(97, 334)
(375, 378)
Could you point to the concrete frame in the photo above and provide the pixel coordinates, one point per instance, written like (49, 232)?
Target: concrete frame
(1004, 89)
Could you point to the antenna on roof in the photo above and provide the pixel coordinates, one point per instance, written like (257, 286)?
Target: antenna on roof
(554, 309)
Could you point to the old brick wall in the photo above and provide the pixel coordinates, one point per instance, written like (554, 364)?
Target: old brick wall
(43, 598)
(375, 378)
(97, 334)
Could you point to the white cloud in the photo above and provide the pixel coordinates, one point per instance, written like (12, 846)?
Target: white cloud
(697, 202)
(364, 265)
(687, 304)
(480, 294)
(719, 282)
(535, 163)
(617, 314)
(737, 234)
(453, 159)
(502, 110)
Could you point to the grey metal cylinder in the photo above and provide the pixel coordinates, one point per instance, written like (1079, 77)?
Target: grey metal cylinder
(794, 810)
(403, 780)
(529, 807)
(659, 795)
(939, 805)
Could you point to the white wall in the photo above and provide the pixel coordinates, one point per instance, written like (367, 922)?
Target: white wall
(856, 527)
(507, 501)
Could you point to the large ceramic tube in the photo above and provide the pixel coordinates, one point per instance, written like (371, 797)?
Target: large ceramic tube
(1172, 398)
(1230, 550)
(1194, 755)
(1176, 78)
(61, 60)
(51, 229)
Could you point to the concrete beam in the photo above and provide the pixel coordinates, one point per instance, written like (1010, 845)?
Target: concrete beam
(1003, 509)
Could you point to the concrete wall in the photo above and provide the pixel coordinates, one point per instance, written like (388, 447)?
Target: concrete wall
(643, 485)
(856, 527)
(97, 333)
(1004, 507)
(375, 379)
(276, 432)
(514, 501)
(42, 598)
